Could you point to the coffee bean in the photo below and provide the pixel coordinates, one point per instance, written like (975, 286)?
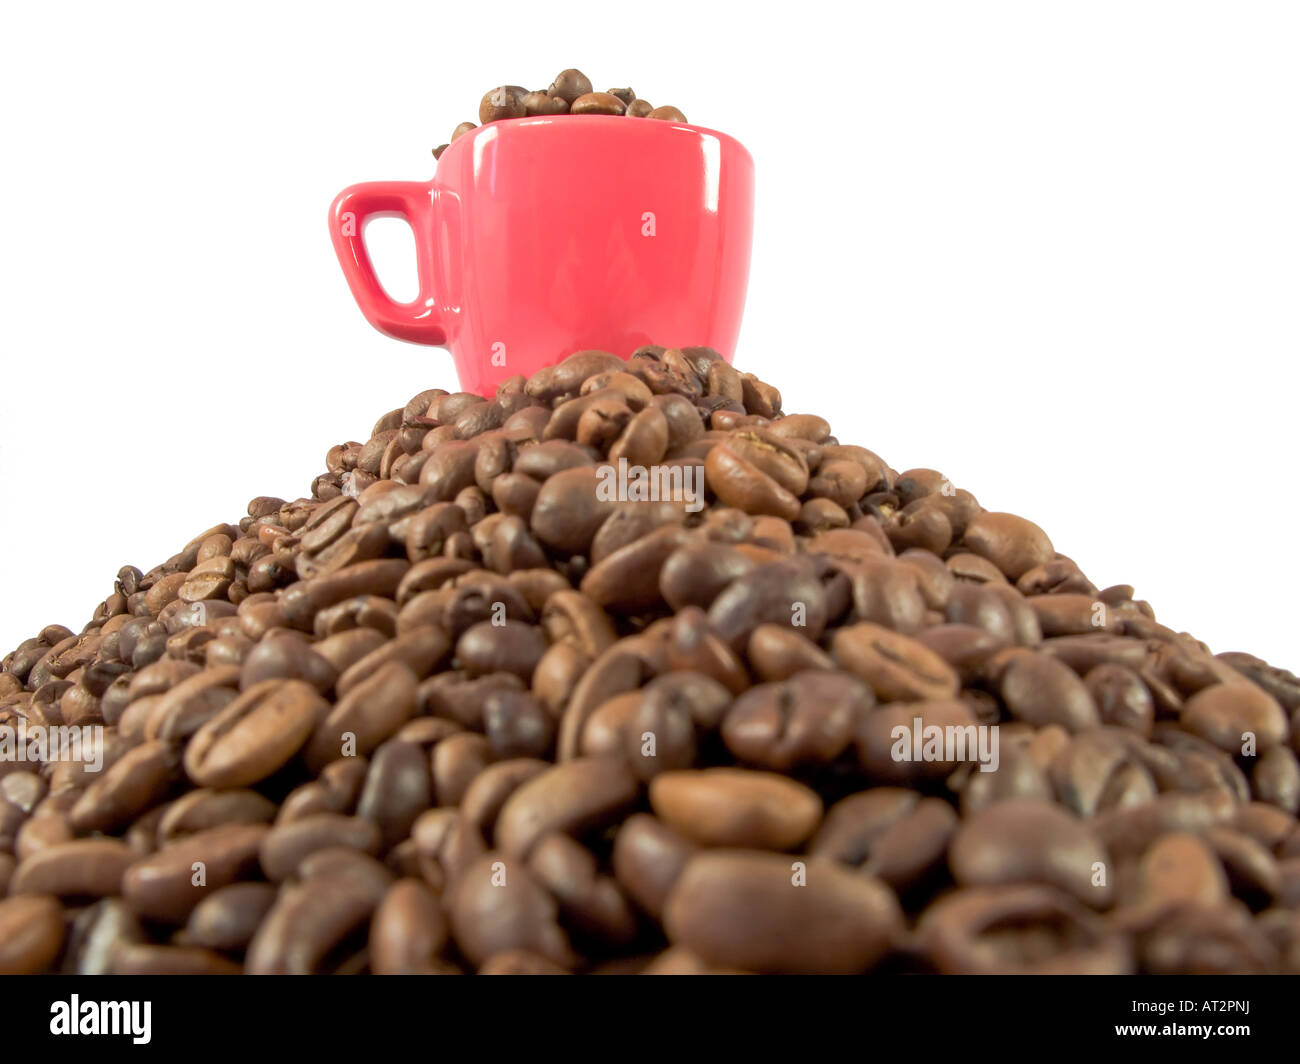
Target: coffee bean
(306, 924)
(408, 931)
(500, 103)
(1024, 930)
(90, 868)
(572, 797)
(893, 665)
(254, 735)
(497, 904)
(807, 720)
(167, 885)
(1230, 715)
(743, 909)
(570, 84)
(736, 807)
(31, 934)
(1041, 690)
(283, 848)
(597, 103)
(140, 778)
(363, 718)
(423, 699)
(1025, 841)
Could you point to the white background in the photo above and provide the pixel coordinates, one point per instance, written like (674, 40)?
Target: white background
(1050, 249)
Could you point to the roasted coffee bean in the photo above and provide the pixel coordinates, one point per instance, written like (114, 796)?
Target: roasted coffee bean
(891, 740)
(89, 868)
(1235, 717)
(741, 909)
(807, 720)
(593, 906)
(1024, 930)
(497, 904)
(597, 103)
(285, 846)
(408, 931)
(203, 809)
(135, 782)
(466, 709)
(168, 884)
(31, 934)
(570, 84)
(363, 718)
(1041, 690)
(512, 647)
(398, 789)
(254, 735)
(307, 924)
(1025, 841)
(736, 807)
(895, 666)
(573, 797)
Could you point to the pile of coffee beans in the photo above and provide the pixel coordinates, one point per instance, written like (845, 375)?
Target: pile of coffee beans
(569, 94)
(625, 670)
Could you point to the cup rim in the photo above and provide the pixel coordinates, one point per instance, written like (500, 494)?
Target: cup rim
(592, 120)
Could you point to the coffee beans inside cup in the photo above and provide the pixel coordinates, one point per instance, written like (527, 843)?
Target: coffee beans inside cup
(627, 669)
(570, 93)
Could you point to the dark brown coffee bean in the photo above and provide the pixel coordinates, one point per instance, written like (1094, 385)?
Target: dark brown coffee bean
(569, 85)
(512, 647)
(497, 904)
(896, 742)
(788, 593)
(1276, 779)
(895, 666)
(368, 714)
(286, 657)
(133, 784)
(542, 103)
(203, 809)
(572, 797)
(254, 735)
(1041, 690)
(285, 846)
(1021, 841)
(1025, 930)
(398, 788)
(168, 884)
(1121, 697)
(807, 720)
(307, 923)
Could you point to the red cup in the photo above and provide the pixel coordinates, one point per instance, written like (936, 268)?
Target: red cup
(538, 237)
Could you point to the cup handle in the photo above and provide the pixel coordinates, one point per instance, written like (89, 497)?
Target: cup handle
(419, 321)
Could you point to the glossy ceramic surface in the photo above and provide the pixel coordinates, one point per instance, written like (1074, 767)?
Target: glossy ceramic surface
(538, 237)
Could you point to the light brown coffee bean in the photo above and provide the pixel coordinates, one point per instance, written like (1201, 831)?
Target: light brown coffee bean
(736, 807)
(743, 909)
